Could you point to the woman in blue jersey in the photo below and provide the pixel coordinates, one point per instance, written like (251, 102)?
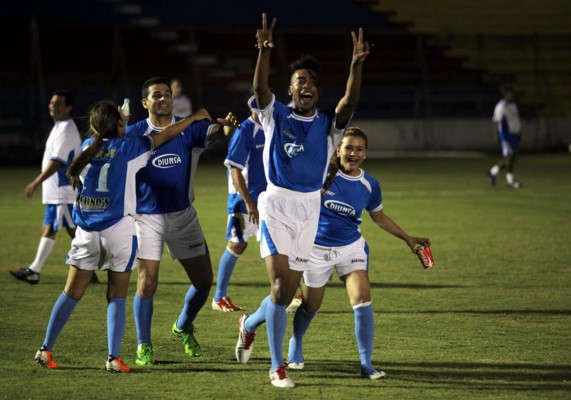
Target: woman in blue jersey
(104, 175)
(348, 190)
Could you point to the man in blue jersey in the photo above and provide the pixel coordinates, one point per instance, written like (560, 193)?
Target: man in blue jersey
(299, 143)
(507, 133)
(246, 180)
(339, 244)
(165, 192)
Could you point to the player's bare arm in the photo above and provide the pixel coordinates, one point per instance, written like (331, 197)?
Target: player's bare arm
(265, 42)
(387, 224)
(348, 103)
(52, 168)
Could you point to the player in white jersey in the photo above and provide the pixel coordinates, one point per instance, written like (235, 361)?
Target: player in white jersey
(507, 133)
(165, 192)
(104, 174)
(339, 244)
(246, 180)
(299, 142)
(57, 194)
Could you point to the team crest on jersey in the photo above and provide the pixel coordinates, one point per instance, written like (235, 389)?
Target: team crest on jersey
(167, 161)
(293, 149)
(340, 207)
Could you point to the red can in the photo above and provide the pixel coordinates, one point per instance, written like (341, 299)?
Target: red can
(425, 256)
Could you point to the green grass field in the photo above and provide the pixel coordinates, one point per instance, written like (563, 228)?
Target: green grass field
(490, 321)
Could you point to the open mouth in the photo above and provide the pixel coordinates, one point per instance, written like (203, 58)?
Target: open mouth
(306, 98)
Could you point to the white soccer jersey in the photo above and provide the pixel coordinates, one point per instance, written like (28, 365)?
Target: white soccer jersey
(62, 145)
(507, 112)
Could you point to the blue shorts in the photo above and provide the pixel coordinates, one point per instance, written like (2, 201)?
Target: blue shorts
(509, 144)
(58, 216)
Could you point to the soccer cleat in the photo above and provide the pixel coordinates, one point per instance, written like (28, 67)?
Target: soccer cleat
(225, 305)
(26, 275)
(295, 365)
(491, 178)
(245, 343)
(145, 354)
(117, 365)
(295, 303)
(279, 378)
(515, 185)
(191, 346)
(45, 359)
(374, 374)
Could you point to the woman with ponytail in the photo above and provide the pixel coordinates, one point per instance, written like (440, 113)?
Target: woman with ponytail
(104, 176)
(347, 191)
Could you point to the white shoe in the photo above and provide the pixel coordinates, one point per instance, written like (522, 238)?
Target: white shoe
(279, 378)
(295, 365)
(295, 303)
(245, 344)
(374, 375)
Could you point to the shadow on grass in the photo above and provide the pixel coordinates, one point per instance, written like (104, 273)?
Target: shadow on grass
(474, 312)
(485, 376)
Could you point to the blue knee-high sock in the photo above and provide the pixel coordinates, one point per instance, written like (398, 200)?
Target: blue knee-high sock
(258, 317)
(116, 310)
(364, 332)
(61, 312)
(225, 270)
(193, 302)
(276, 321)
(143, 311)
(301, 321)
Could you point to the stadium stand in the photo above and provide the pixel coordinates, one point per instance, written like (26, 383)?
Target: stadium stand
(432, 58)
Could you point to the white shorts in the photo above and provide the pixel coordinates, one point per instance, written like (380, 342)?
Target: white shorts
(239, 229)
(180, 231)
(345, 259)
(114, 248)
(288, 224)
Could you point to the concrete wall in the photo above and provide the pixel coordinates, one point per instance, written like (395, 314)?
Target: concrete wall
(459, 135)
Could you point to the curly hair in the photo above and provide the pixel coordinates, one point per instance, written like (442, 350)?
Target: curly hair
(307, 61)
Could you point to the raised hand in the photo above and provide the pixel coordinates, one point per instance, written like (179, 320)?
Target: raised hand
(264, 36)
(361, 49)
(229, 123)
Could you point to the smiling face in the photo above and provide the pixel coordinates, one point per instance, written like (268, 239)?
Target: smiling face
(59, 111)
(159, 101)
(351, 152)
(304, 91)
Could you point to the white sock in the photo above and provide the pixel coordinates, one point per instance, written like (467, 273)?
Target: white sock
(44, 249)
(494, 170)
(510, 178)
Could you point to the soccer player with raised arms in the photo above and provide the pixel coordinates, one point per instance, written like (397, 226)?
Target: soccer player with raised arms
(299, 143)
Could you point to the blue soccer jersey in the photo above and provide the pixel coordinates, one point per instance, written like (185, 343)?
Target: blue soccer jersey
(342, 206)
(245, 152)
(298, 148)
(167, 183)
(107, 186)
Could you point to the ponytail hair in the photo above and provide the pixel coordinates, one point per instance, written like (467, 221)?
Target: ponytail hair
(104, 119)
(335, 162)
